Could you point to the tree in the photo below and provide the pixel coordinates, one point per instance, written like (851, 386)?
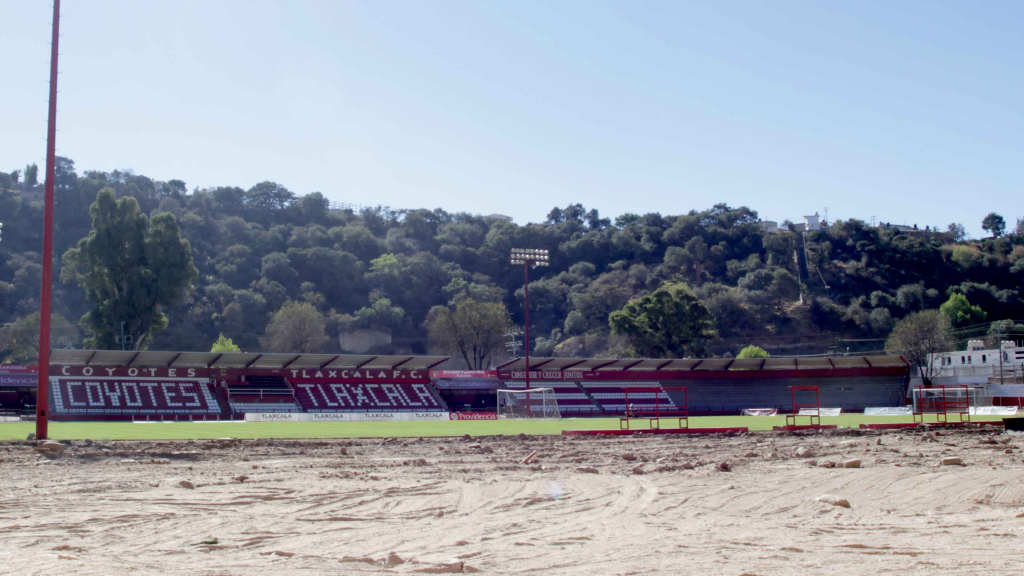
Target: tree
(994, 223)
(919, 335)
(16, 176)
(695, 255)
(1004, 330)
(1019, 229)
(474, 330)
(960, 311)
(224, 345)
(269, 196)
(957, 232)
(19, 341)
(668, 322)
(381, 315)
(31, 175)
(297, 327)
(752, 352)
(130, 267)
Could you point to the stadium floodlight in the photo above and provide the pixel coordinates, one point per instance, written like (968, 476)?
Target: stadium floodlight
(528, 257)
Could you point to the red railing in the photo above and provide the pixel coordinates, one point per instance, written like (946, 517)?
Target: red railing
(653, 416)
(814, 419)
(942, 404)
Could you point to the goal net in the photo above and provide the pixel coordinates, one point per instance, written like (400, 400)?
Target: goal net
(942, 400)
(532, 403)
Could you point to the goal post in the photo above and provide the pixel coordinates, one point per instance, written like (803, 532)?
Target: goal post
(941, 401)
(538, 403)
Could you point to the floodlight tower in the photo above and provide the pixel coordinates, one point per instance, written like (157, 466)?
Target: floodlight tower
(528, 257)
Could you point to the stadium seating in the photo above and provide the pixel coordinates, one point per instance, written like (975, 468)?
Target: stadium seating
(611, 397)
(327, 396)
(852, 394)
(243, 403)
(79, 397)
(572, 400)
(265, 384)
(260, 393)
(10, 400)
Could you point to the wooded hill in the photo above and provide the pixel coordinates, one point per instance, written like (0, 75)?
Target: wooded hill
(384, 270)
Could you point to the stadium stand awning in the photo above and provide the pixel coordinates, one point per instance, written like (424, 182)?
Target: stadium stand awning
(255, 361)
(693, 364)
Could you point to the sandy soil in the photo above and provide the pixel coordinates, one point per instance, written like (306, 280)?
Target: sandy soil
(632, 505)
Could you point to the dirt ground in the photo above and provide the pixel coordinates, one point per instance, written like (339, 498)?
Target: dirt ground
(760, 503)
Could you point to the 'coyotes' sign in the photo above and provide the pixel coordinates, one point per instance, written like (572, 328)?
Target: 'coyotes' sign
(129, 371)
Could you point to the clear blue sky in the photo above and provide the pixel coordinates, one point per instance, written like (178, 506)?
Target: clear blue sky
(908, 111)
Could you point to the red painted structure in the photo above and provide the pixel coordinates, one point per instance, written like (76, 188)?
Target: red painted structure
(45, 298)
(716, 386)
(348, 396)
(620, 432)
(140, 398)
(671, 410)
(944, 404)
(815, 419)
(195, 385)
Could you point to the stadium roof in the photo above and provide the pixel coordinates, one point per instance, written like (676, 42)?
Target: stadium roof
(688, 364)
(255, 361)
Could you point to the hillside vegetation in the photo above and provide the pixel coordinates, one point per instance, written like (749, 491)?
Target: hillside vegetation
(386, 270)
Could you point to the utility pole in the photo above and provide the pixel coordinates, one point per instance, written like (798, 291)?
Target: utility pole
(999, 347)
(799, 277)
(45, 297)
(123, 339)
(513, 344)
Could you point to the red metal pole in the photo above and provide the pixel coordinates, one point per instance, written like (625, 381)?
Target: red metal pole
(43, 388)
(526, 344)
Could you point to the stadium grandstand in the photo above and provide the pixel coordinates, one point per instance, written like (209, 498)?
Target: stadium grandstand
(716, 386)
(127, 385)
(120, 385)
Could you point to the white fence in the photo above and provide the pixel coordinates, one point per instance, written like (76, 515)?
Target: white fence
(1009, 371)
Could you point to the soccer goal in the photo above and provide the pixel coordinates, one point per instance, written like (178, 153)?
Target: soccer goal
(536, 403)
(941, 401)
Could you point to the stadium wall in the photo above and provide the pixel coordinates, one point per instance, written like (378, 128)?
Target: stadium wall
(127, 392)
(729, 392)
(130, 393)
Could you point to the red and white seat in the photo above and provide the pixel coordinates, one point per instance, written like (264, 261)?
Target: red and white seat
(131, 397)
(328, 396)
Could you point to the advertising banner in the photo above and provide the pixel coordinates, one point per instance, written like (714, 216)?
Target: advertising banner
(7, 379)
(468, 384)
(18, 369)
(345, 416)
(474, 416)
(463, 373)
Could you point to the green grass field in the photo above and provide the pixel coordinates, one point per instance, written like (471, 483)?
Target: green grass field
(206, 430)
